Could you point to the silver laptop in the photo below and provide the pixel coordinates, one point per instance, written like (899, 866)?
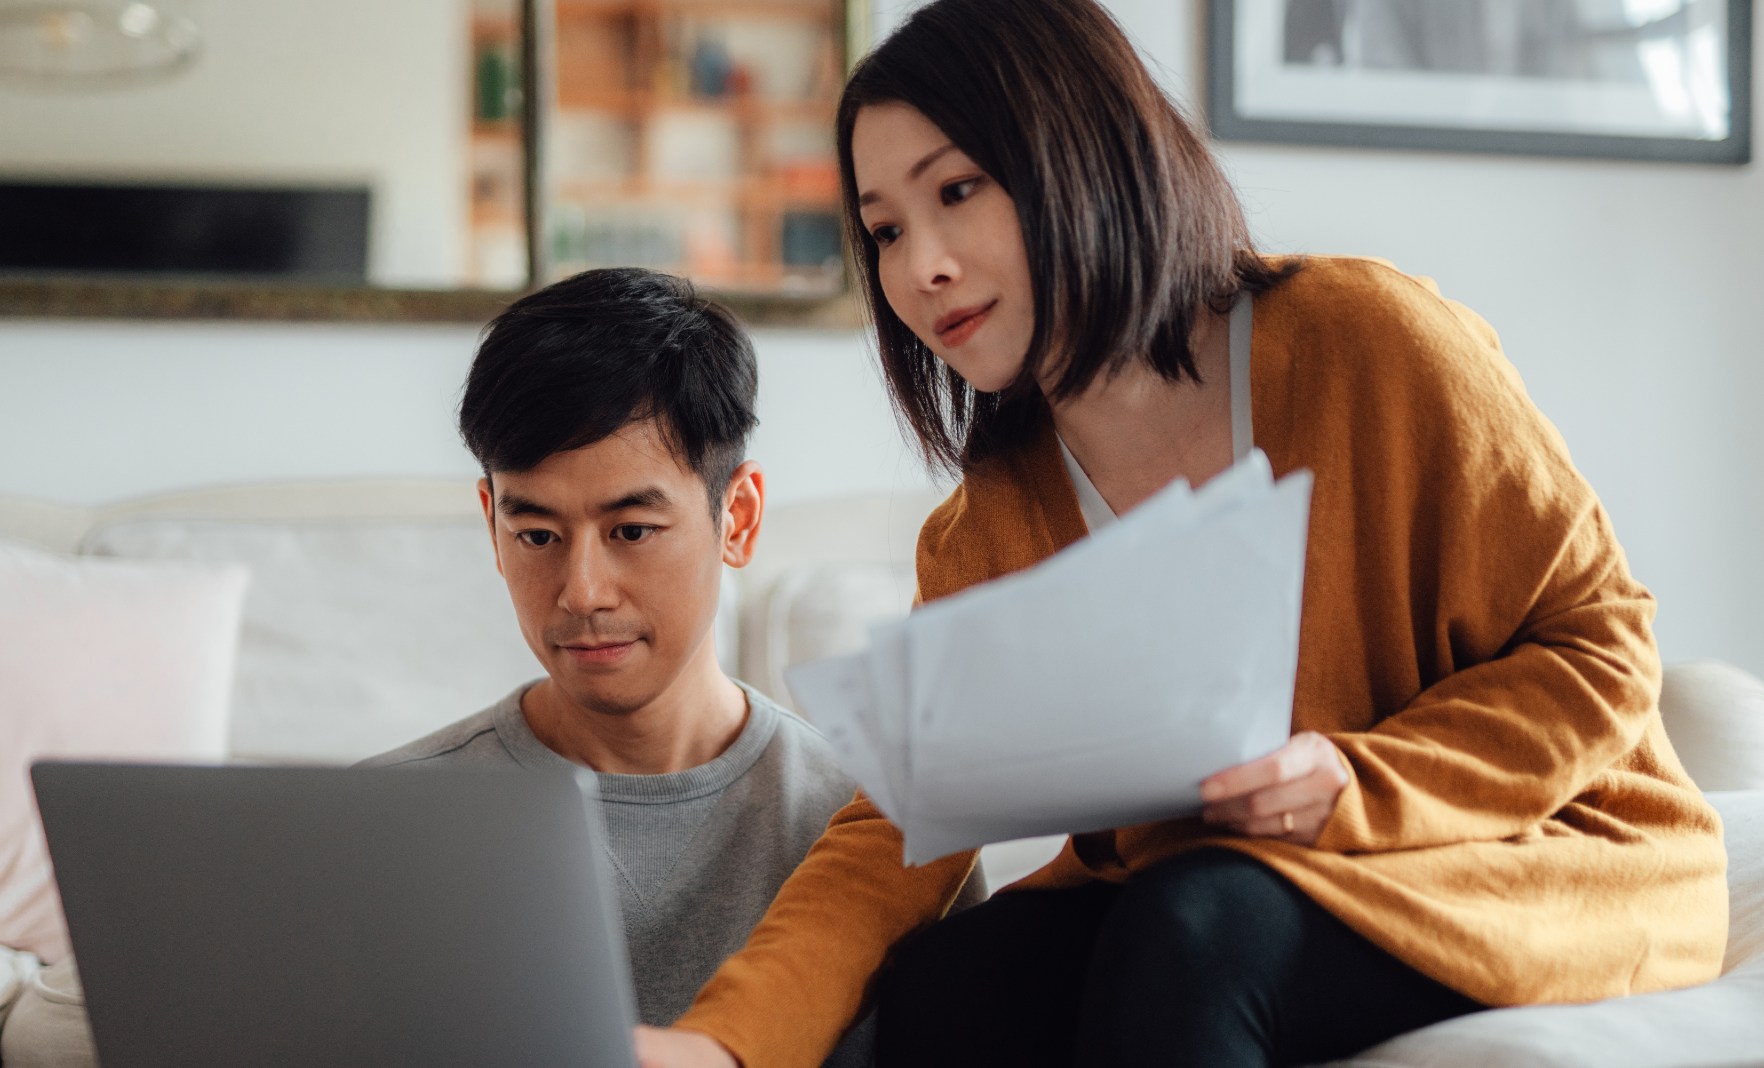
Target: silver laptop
(282, 917)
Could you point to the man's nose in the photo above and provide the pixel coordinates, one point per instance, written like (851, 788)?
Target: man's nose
(589, 582)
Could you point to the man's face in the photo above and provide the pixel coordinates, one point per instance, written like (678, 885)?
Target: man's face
(613, 562)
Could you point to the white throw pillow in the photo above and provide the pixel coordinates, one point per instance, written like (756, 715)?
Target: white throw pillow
(1714, 714)
(359, 634)
(100, 659)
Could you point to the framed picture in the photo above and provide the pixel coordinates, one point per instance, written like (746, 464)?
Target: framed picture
(1615, 79)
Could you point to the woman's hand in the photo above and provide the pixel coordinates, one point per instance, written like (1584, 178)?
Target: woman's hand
(659, 1047)
(1288, 794)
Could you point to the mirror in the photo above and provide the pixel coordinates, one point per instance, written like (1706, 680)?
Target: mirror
(391, 160)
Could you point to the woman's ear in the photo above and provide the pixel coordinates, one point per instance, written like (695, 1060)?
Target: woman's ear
(744, 503)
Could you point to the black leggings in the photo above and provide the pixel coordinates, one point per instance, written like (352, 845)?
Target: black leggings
(1209, 958)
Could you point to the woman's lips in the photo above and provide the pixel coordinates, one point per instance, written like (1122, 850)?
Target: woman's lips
(958, 326)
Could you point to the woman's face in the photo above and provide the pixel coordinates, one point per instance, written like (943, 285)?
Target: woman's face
(949, 249)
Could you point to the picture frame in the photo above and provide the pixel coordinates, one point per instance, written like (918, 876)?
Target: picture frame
(1663, 80)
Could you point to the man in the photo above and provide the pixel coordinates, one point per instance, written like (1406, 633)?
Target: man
(610, 413)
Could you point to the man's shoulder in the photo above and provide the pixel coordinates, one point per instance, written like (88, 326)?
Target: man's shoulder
(470, 741)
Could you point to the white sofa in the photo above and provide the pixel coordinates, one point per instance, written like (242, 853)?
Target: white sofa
(374, 613)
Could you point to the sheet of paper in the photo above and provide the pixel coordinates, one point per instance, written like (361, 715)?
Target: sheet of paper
(838, 692)
(1095, 690)
(888, 670)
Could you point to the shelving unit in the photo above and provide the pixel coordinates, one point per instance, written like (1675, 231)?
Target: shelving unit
(696, 136)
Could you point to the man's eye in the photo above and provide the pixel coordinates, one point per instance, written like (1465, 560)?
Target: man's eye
(538, 539)
(956, 192)
(632, 533)
(885, 235)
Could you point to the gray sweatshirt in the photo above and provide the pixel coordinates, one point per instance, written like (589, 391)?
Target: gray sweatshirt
(698, 854)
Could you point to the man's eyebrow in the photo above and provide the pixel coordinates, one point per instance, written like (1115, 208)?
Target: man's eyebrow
(647, 497)
(912, 173)
(512, 504)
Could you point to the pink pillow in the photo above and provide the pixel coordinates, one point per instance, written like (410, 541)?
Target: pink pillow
(100, 659)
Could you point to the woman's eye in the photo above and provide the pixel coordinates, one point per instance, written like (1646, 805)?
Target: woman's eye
(885, 235)
(538, 539)
(632, 533)
(956, 192)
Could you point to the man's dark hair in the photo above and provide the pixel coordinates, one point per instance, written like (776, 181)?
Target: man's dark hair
(583, 358)
(1131, 229)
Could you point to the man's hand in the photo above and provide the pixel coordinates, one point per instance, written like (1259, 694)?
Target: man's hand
(659, 1047)
(1288, 794)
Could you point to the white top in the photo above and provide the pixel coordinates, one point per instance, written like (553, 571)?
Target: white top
(1096, 511)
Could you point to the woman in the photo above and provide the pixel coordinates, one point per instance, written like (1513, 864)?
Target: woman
(1479, 805)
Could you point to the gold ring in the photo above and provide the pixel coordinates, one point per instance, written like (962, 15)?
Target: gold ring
(1286, 823)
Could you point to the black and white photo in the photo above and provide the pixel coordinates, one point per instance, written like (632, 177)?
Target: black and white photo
(1663, 79)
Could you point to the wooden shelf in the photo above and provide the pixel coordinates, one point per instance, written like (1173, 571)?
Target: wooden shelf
(764, 191)
(490, 215)
(802, 10)
(502, 131)
(496, 28)
(640, 103)
(744, 277)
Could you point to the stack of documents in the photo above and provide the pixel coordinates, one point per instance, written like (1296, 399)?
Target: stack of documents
(1094, 690)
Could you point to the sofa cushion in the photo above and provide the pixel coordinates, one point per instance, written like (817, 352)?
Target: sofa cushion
(1714, 714)
(17, 969)
(1718, 1023)
(100, 659)
(49, 1028)
(823, 573)
(813, 612)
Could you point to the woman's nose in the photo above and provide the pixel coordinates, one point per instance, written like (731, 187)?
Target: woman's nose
(934, 264)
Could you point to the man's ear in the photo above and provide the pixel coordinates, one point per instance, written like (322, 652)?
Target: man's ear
(487, 500)
(744, 503)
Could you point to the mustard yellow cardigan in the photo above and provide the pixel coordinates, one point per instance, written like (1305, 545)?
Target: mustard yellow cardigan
(1517, 825)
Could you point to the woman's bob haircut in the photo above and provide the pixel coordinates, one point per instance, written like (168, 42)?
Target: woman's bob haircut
(1131, 229)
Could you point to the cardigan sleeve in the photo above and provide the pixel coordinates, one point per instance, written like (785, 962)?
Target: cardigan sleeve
(785, 999)
(1545, 670)
(1493, 749)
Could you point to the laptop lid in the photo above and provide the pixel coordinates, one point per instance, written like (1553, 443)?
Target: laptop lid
(338, 916)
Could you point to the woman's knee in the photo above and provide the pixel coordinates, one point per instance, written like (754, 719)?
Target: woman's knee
(1209, 908)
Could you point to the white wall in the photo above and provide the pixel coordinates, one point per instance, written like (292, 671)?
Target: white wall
(96, 412)
(321, 91)
(1626, 293)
